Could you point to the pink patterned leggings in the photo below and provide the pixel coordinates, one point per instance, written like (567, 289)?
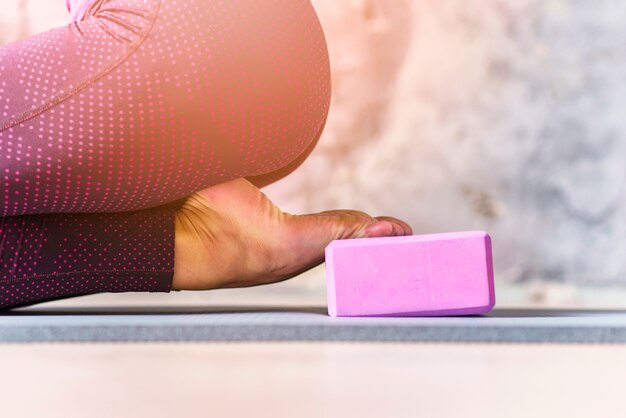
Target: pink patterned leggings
(109, 123)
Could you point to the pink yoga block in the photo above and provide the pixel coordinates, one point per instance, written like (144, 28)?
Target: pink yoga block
(419, 275)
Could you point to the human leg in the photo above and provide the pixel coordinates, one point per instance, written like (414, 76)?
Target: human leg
(131, 110)
(290, 113)
(56, 255)
(75, 139)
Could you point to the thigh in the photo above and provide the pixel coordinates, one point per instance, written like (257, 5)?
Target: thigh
(147, 101)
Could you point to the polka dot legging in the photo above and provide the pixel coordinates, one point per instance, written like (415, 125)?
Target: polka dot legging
(109, 123)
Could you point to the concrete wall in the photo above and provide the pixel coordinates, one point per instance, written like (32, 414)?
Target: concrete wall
(507, 116)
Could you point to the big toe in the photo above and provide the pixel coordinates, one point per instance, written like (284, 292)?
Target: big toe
(327, 226)
(399, 227)
(387, 228)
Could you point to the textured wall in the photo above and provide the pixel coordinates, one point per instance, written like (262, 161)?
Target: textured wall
(508, 116)
(501, 115)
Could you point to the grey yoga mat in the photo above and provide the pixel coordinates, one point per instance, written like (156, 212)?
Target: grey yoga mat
(304, 324)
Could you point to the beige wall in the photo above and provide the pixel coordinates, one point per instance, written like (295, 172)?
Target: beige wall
(499, 115)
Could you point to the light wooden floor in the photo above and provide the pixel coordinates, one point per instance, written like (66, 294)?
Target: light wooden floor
(312, 380)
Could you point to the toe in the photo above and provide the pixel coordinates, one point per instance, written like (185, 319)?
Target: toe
(381, 229)
(404, 227)
(319, 229)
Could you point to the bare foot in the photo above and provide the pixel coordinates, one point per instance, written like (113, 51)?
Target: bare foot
(232, 235)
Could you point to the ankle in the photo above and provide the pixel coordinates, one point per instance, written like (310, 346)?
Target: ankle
(191, 271)
(206, 256)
